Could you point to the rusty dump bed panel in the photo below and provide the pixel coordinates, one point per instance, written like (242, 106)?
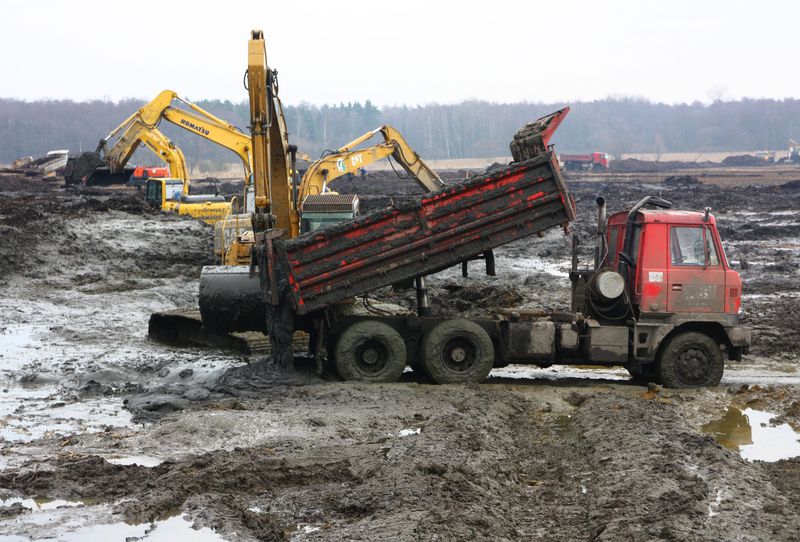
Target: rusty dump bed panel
(421, 237)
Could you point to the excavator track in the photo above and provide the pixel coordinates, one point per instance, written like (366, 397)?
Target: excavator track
(184, 327)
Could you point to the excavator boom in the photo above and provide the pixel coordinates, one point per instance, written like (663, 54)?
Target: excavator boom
(142, 126)
(269, 140)
(348, 159)
(137, 133)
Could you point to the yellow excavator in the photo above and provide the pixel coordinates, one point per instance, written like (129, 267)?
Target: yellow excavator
(314, 205)
(283, 206)
(107, 164)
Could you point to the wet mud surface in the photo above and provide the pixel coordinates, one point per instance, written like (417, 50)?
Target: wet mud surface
(242, 453)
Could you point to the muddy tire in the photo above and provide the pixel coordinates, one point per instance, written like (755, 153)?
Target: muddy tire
(457, 351)
(690, 360)
(370, 352)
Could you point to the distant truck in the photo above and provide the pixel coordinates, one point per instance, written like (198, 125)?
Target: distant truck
(47, 166)
(142, 173)
(794, 151)
(766, 156)
(591, 162)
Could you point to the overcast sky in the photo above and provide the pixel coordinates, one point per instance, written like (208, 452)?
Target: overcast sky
(409, 52)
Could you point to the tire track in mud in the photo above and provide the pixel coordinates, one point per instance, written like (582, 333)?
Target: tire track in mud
(653, 477)
(491, 462)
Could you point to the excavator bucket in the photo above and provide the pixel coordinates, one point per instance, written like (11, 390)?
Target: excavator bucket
(89, 169)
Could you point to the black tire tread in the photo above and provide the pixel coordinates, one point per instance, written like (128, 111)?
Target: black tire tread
(352, 337)
(437, 337)
(666, 367)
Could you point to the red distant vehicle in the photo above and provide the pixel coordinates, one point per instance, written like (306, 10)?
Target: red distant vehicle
(142, 173)
(594, 161)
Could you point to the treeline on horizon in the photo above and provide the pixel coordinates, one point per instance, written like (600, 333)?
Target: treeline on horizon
(471, 129)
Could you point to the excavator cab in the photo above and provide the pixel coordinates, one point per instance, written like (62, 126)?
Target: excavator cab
(160, 191)
(320, 210)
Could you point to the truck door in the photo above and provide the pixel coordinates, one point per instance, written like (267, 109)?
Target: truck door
(696, 277)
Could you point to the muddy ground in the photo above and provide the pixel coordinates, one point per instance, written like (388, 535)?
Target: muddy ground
(553, 454)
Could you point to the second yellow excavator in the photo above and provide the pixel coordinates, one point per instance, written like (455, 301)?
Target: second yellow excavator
(313, 204)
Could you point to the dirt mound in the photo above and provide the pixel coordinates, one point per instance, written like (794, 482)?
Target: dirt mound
(742, 160)
(791, 185)
(41, 230)
(16, 182)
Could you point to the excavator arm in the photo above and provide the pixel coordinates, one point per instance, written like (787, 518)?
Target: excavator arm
(348, 159)
(213, 129)
(142, 126)
(197, 121)
(270, 141)
(137, 133)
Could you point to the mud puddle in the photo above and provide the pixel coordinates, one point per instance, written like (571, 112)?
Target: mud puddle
(38, 414)
(138, 460)
(734, 374)
(560, 372)
(49, 520)
(754, 436)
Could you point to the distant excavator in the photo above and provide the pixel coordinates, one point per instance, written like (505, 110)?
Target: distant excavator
(107, 165)
(794, 151)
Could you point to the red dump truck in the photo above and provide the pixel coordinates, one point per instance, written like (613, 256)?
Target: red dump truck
(592, 162)
(660, 300)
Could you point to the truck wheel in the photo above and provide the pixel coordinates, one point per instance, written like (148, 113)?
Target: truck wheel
(690, 360)
(457, 351)
(371, 352)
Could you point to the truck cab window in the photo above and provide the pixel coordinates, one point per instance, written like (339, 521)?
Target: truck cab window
(687, 246)
(637, 237)
(612, 245)
(713, 260)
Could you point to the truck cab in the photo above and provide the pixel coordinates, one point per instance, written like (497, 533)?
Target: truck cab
(678, 263)
(141, 173)
(682, 298)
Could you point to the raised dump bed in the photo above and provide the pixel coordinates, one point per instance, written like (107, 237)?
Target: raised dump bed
(427, 235)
